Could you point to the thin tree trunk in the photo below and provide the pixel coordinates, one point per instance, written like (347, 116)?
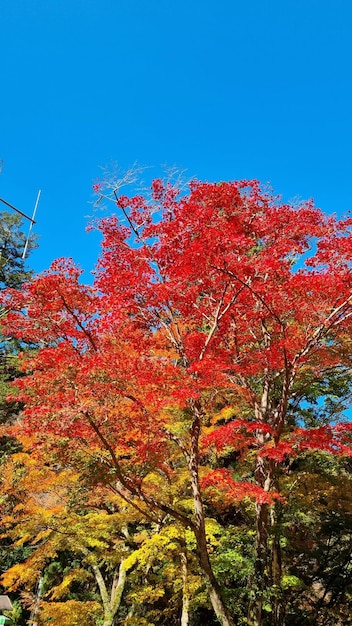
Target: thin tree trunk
(34, 612)
(259, 581)
(117, 588)
(111, 602)
(185, 594)
(279, 610)
(278, 604)
(266, 559)
(214, 590)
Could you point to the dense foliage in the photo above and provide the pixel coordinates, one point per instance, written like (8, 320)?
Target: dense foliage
(13, 273)
(186, 458)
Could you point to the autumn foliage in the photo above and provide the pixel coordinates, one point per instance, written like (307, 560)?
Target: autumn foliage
(210, 316)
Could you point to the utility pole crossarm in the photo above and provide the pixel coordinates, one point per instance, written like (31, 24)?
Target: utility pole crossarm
(17, 210)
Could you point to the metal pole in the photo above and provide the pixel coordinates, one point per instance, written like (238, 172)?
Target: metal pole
(17, 210)
(31, 224)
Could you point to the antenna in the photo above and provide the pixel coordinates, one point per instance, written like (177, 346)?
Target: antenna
(31, 224)
(30, 219)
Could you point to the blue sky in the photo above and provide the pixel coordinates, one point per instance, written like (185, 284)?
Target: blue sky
(225, 90)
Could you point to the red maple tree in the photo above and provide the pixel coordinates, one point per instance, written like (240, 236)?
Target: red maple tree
(210, 314)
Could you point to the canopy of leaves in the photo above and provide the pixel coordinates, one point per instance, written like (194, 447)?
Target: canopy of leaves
(12, 241)
(212, 351)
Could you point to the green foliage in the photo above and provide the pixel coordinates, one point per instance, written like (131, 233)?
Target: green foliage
(12, 241)
(15, 616)
(323, 400)
(13, 273)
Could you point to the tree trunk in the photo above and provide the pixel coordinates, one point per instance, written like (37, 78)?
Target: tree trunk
(214, 590)
(112, 601)
(259, 582)
(117, 588)
(185, 594)
(34, 612)
(278, 614)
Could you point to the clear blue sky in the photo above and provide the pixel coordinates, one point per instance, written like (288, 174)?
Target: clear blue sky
(227, 89)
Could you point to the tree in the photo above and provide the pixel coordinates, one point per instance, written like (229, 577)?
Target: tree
(12, 274)
(315, 528)
(85, 547)
(211, 315)
(68, 545)
(12, 238)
